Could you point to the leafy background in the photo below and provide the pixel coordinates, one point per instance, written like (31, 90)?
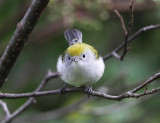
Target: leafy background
(102, 29)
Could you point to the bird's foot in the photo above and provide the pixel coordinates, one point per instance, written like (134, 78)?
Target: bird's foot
(63, 89)
(88, 90)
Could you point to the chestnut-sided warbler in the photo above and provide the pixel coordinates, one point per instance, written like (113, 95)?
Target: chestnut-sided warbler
(80, 64)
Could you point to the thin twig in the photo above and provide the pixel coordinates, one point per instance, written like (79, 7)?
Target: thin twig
(116, 55)
(128, 31)
(131, 17)
(130, 39)
(31, 100)
(146, 88)
(126, 35)
(5, 108)
(122, 21)
(147, 82)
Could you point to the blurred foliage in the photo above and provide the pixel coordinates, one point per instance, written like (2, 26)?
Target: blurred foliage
(102, 29)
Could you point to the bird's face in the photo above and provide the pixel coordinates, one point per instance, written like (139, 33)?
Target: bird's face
(83, 57)
(80, 53)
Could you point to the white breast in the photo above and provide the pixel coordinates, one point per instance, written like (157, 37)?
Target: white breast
(81, 73)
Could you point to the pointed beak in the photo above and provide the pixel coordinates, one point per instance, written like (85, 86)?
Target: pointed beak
(76, 59)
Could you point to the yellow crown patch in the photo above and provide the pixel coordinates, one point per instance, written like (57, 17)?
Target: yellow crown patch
(79, 48)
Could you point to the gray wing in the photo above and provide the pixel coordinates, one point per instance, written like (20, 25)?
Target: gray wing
(73, 37)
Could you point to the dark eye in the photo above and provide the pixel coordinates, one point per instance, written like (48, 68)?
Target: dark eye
(84, 56)
(75, 40)
(69, 58)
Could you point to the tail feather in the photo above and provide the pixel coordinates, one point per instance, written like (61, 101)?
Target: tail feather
(73, 37)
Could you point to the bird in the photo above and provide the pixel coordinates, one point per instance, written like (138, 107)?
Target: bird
(80, 65)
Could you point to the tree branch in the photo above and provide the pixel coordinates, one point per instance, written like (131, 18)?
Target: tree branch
(126, 31)
(5, 108)
(31, 100)
(128, 94)
(121, 46)
(122, 21)
(19, 38)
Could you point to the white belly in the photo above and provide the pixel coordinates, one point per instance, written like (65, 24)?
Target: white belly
(80, 73)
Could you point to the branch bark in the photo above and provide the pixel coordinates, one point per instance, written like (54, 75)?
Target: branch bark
(130, 39)
(31, 100)
(5, 108)
(19, 38)
(129, 94)
(126, 31)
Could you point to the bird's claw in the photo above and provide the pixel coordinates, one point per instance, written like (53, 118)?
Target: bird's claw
(63, 89)
(88, 91)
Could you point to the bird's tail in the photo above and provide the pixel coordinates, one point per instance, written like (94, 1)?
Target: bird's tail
(73, 36)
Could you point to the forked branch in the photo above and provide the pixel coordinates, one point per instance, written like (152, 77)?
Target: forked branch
(31, 100)
(126, 31)
(5, 108)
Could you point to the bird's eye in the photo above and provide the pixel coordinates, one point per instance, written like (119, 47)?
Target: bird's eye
(69, 58)
(84, 56)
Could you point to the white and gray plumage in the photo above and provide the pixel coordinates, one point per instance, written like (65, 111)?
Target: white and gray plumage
(80, 65)
(73, 37)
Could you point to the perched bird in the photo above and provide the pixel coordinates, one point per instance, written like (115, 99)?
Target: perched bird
(80, 64)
